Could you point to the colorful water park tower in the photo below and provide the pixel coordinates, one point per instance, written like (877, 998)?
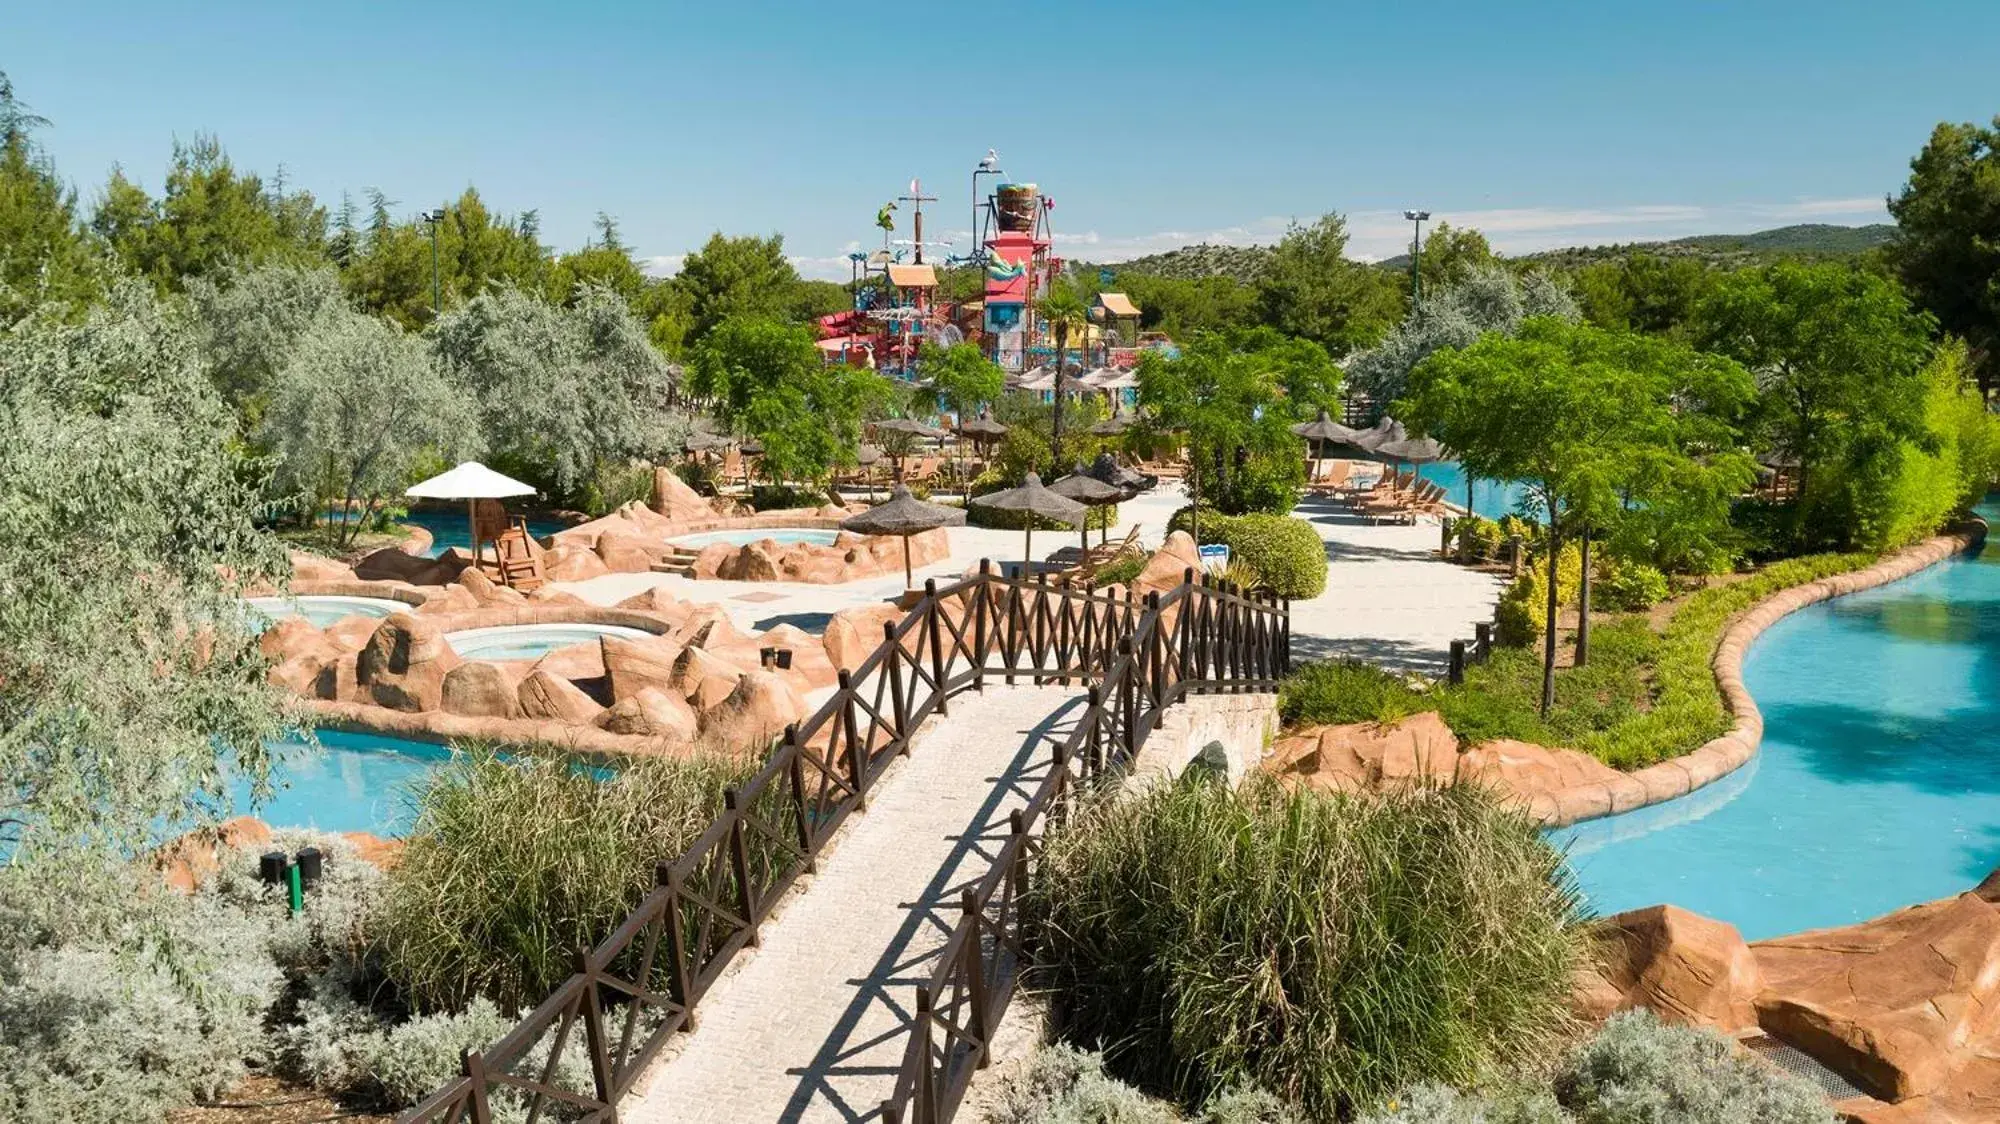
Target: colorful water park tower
(1018, 269)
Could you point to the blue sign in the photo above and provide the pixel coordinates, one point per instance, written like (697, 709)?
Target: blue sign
(1214, 554)
(1105, 277)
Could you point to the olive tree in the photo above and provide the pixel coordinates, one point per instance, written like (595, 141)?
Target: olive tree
(358, 409)
(563, 391)
(128, 684)
(249, 320)
(1485, 298)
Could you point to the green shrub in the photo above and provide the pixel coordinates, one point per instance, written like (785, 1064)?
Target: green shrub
(1288, 554)
(1123, 570)
(1061, 1084)
(1332, 947)
(1522, 613)
(1477, 539)
(612, 485)
(1432, 1103)
(1212, 522)
(786, 497)
(1337, 692)
(516, 863)
(1638, 1070)
(698, 475)
(1627, 586)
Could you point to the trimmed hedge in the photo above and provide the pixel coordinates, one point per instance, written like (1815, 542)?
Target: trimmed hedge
(1286, 552)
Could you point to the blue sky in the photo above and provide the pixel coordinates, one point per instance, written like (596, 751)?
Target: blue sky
(1152, 124)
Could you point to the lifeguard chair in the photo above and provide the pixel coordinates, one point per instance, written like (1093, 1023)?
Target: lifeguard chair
(515, 563)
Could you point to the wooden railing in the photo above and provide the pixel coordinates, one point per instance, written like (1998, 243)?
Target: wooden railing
(632, 993)
(1197, 639)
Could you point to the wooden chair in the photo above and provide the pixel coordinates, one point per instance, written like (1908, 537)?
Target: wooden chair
(520, 562)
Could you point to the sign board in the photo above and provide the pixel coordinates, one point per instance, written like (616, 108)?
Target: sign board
(1105, 277)
(1214, 554)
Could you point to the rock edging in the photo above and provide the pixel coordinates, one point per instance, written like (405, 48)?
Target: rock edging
(1720, 756)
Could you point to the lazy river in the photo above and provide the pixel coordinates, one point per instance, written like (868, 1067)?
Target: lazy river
(1878, 783)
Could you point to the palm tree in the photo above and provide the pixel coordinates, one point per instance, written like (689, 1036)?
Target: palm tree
(1063, 311)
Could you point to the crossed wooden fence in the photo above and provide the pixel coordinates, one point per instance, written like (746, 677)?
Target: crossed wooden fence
(638, 988)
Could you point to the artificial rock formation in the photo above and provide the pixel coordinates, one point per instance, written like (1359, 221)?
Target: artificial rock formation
(849, 558)
(404, 663)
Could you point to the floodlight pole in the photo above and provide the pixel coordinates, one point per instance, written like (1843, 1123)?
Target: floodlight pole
(1416, 258)
(437, 290)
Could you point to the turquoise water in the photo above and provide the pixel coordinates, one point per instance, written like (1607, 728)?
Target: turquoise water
(1878, 784)
(451, 528)
(356, 782)
(323, 609)
(530, 641)
(1490, 498)
(758, 534)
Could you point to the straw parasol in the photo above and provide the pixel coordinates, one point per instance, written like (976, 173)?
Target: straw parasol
(1118, 476)
(1322, 429)
(1032, 499)
(1089, 491)
(982, 428)
(904, 515)
(471, 482)
(1113, 425)
(911, 426)
(700, 442)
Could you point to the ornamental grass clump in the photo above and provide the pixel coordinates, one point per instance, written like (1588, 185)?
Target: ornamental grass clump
(1329, 948)
(516, 863)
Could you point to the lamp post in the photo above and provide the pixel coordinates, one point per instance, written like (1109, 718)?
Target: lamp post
(1416, 257)
(433, 218)
(988, 166)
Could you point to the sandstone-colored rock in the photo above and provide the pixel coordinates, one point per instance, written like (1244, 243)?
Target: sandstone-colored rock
(652, 713)
(553, 698)
(1899, 1018)
(475, 582)
(708, 626)
(704, 679)
(290, 636)
(298, 674)
(659, 601)
(1524, 768)
(1168, 566)
(191, 860)
(313, 568)
(391, 564)
(754, 713)
(628, 552)
(573, 564)
(339, 680)
(574, 661)
(550, 595)
(637, 665)
(853, 633)
(374, 850)
(350, 634)
(674, 499)
(453, 598)
(1686, 967)
(481, 689)
(1420, 748)
(709, 560)
(404, 663)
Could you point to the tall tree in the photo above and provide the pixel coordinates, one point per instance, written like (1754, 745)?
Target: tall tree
(1451, 255)
(738, 277)
(358, 409)
(1488, 298)
(1836, 350)
(564, 392)
(1948, 245)
(768, 379)
(249, 320)
(1312, 289)
(1062, 311)
(961, 377)
(209, 218)
(129, 688)
(1644, 292)
(44, 256)
(1585, 418)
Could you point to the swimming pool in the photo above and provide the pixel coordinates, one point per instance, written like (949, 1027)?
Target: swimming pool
(531, 641)
(322, 609)
(356, 782)
(746, 536)
(1878, 784)
(451, 528)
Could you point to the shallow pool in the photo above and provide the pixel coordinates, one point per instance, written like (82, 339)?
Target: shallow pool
(355, 782)
(1490, 498)
(323, 609)
(452, 528)
(530, 641)
(748, 535)
(1878, 784)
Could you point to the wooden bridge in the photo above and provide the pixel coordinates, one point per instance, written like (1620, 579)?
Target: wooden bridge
(874, 991)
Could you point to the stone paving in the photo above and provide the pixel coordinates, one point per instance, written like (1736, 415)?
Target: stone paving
(1389, 597)
(813, 1024)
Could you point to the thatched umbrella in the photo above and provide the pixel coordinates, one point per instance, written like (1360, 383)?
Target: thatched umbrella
(1322, 429)
(904, 515)
(911, 426)
(700, 442)
(1112, 426)
(1118, 476)
(982, 431)
(1418, 450)
(1089, 491)
(1032, 499)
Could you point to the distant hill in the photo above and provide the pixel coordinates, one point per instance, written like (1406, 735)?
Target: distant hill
(1247, 263)
(1244, 263)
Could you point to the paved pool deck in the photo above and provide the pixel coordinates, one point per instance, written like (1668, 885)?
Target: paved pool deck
(1389, 598)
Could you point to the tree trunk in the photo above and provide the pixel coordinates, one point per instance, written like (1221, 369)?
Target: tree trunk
(1583, 602)
(1055, 442)
(1549, 625)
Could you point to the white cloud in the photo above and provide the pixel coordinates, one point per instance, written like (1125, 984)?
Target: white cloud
(662, 265)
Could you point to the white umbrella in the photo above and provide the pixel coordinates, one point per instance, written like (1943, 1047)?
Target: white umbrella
(470, 482)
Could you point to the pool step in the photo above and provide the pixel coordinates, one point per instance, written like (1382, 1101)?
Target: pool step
(678, 561)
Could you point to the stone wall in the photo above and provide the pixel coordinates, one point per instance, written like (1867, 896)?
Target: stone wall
(1244, 724)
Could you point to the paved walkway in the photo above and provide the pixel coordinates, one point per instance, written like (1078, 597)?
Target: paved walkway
(813, 1024)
